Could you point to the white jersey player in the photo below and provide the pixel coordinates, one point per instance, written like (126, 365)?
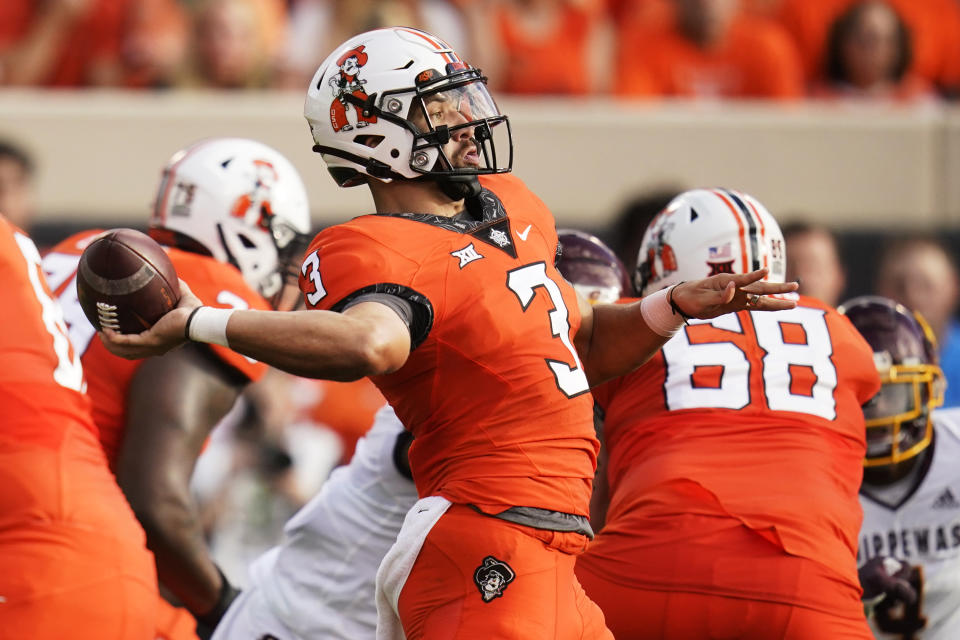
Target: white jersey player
(911, 488)
(319, 583)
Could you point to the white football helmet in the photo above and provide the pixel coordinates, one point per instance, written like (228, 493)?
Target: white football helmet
(239, 201)
(361, 99)
(703, 232)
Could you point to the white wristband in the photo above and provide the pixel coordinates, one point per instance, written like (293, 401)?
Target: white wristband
(656, 312)
(209, 324)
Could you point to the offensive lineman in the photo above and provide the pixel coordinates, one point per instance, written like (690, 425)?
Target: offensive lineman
(910, 538)
(73, 560)
(460, 317)
(233, 214)
(734, 454)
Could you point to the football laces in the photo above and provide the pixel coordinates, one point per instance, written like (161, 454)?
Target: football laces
(107, 315)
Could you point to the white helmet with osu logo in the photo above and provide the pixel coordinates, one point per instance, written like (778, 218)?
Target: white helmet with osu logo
(715, 231)
(239, 201)
(361, 100)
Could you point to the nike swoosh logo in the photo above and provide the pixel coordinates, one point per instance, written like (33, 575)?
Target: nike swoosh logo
(523, 234)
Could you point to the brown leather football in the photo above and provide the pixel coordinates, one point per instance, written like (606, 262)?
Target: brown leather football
(126, 282)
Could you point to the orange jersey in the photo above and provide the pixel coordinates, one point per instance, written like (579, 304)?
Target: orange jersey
(41, 380)
(755, 417)
(215, 283)
(756, 60)
(493, 392)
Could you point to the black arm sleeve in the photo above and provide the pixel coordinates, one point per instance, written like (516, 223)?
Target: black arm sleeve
(412, 307)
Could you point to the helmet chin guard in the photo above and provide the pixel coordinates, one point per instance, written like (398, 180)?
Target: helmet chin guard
(370, 110)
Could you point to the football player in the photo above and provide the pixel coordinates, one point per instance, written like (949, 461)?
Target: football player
(734, 454)
(592, 267)
(233, 213)
(73, 560)
(910, 538)
(319, 583)
(449, 298)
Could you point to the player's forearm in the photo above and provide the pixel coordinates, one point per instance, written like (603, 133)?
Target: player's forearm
(173, 403)
(314, 344)
(175, 537)
(619, 342)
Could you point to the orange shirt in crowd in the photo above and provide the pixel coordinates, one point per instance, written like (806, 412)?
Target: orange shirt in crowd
(94, 37)
(554, 62)
(756, 60)
(934, 26)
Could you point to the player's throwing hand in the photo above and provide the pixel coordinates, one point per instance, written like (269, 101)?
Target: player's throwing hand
(167, 333)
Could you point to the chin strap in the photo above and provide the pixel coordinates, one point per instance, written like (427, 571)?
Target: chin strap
(459, 187)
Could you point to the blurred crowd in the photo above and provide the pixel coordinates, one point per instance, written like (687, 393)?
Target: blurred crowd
(900, 50)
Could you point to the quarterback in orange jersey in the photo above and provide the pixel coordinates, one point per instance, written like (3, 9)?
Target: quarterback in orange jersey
(73, 560)
(449, 298)
(734, 453)
(230, 212)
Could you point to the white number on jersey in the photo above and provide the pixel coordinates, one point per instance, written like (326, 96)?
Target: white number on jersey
(682, 359)
(524, 282)
(68, 373)
(731, 366)
(60, 267)
(814, 354)
(312, 264)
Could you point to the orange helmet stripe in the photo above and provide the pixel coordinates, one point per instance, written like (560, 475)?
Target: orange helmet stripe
(441, 49)
(743, 239)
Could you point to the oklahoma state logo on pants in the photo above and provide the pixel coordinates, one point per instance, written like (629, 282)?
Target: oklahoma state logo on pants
(492, 578)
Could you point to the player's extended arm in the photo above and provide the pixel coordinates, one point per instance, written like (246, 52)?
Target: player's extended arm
(367, 339)
(615, 339)
(174, 401)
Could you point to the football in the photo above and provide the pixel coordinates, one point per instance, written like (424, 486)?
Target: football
(126, 282)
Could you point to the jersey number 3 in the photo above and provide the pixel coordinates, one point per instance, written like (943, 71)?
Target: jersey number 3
(523, 282)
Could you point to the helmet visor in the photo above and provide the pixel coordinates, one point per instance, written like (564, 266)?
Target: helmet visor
(893, 400)
(461, 121)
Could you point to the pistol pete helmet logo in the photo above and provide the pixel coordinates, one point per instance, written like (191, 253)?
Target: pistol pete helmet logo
(347, 82)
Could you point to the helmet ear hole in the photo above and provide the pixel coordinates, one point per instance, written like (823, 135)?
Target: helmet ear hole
(370, 141)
